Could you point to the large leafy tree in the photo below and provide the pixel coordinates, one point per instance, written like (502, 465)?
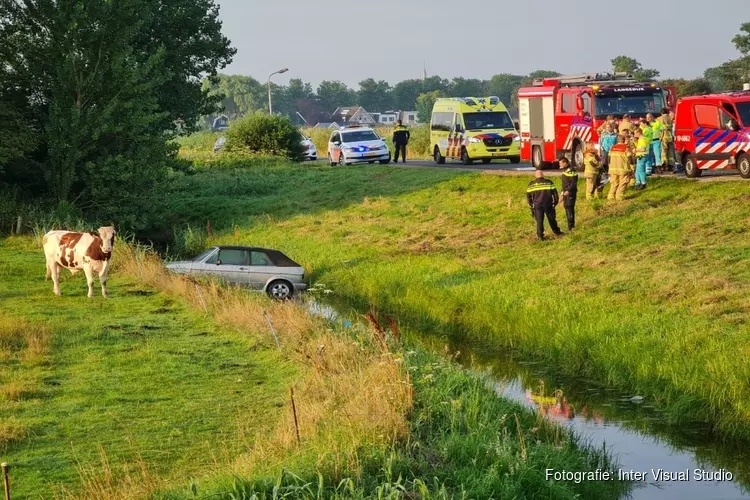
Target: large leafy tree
(334, 94)
(733, 74)
(101, 83)
(239, 94)
(468, 87)
(375, 95)
(698, 86)
(425, 103)
(625, 64)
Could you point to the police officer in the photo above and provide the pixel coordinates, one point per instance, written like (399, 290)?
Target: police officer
(542, 197)
(569, 190)
(401, 137)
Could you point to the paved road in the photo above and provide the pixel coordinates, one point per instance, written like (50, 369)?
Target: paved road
(498, 168)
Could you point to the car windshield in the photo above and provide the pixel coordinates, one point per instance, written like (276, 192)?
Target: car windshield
(637, 106)
(360, 135)
(743, 108)
(204, 255)
(487, 120)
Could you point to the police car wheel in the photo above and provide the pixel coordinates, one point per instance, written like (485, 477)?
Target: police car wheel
(342, 160)
(465, 157)
(691, 168)
(330, 161)
(743, 164)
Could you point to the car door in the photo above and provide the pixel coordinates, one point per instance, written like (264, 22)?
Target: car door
(233, 266)
(335, 146)
(262, 269)
(205, 265)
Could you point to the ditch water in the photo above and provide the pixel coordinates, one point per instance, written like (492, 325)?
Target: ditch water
(631, 429)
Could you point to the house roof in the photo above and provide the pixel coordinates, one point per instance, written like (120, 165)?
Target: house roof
(345, 114)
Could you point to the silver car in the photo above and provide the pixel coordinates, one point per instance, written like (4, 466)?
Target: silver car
(260, 269)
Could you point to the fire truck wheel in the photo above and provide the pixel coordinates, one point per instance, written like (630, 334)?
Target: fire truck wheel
(691, 168)
(743, 164)
(536, 158)
(465, 157)
(439, 159)
(515, 159)
(578, 155)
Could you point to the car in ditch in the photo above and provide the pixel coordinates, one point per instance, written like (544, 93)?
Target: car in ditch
(254, 268)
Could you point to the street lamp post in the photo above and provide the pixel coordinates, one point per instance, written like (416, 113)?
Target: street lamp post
(270, 106)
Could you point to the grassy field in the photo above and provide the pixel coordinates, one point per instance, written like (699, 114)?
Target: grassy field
(174, 389)
(649, 295)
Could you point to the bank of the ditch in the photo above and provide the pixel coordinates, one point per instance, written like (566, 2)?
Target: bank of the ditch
(648, 295)
(172, 379)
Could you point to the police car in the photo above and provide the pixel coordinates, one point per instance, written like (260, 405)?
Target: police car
(357, 145)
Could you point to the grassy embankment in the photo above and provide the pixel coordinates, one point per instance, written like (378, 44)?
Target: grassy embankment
(649, 295)
(132, 396)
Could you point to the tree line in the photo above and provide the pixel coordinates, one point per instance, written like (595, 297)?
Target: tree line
(244, 94)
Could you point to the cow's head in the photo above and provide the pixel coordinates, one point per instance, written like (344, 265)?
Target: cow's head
(107, 234)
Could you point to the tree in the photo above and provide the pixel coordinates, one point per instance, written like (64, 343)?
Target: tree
(742, 40)
(425, 103)
(405, 93)
(543, 73)
(374, 96)
(505, 86)
(699, 86)
(261, 133)
(102, 82)
(467, 87)
(333, 94)
(240, 94)
(625, 64)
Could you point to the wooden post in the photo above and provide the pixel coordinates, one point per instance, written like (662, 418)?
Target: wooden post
(19, 224)
(208, 229)
(5, 480)
(294, 411)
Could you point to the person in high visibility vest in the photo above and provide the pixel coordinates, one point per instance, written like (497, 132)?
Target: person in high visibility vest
(591, 172)
(401, 138)
(667, 141)
(641, 158)
(542, 197)
(648, 134)
(569, 190)
(657, 127)
(619, 169)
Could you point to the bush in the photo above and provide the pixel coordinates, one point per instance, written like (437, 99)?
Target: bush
(265, 135)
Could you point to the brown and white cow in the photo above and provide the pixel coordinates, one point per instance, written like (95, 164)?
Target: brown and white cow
(76, 251)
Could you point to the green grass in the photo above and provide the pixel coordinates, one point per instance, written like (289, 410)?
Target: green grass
(648, 295)
(140, 377)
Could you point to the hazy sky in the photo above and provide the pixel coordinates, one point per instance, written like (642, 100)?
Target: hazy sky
(350, 40)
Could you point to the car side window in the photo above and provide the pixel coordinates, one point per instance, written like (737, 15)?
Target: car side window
(335, 138)
(707, 115)
(212, 259)
(259, 259)
(233, 257)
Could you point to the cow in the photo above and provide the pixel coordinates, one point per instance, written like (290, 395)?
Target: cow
(76, 251)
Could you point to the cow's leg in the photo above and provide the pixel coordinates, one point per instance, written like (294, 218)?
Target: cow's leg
(89, 278)
(54, 269)
(103, 280)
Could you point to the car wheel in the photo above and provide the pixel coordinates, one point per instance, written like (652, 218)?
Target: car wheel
(465, 157)
(371, 162)
(515, 159)
(743, 165)
(578, 155)
(330, 160)
(439, 159)
(342, 160)
(386, 162)
(486, 160)
(691, 168)
(280, 290)
(536, 158)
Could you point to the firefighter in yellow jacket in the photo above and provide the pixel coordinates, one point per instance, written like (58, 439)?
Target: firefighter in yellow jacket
(667, 141)
(591, 172)
(619, 169)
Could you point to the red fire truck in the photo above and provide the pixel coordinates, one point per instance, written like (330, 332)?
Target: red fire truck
(557, 116)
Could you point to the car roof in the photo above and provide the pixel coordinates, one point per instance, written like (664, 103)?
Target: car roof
(735, 96)
(240, 247)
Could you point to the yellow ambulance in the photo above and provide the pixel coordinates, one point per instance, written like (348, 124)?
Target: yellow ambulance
(473, 128)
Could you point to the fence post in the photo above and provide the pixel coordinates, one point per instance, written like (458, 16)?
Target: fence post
(273, 332)
(5, 480)
(294, 411)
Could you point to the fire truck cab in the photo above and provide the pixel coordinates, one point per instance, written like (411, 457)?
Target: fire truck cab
(559, 115)
(712, 132)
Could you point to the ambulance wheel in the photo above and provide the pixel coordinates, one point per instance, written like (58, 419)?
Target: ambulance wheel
(536, 158)
(691, 168)
(486, 160)
(743, 165)
(465, 157)
(439, 159)
(515, 159)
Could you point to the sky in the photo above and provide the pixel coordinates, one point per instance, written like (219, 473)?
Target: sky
(350, 40)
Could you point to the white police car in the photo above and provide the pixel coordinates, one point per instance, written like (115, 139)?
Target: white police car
(311, 153)
(357, 145)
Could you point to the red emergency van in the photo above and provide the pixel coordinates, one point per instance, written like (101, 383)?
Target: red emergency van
(557, 116)
(712, 132)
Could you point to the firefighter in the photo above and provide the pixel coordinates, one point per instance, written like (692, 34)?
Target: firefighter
(626, 124)
(657, 126)
(607, 139)
(592, 172)
(641, 159)
(610, 121)
(569, 190)
(667, 141)
(401, 137)
(619, 169)
(542, 197)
